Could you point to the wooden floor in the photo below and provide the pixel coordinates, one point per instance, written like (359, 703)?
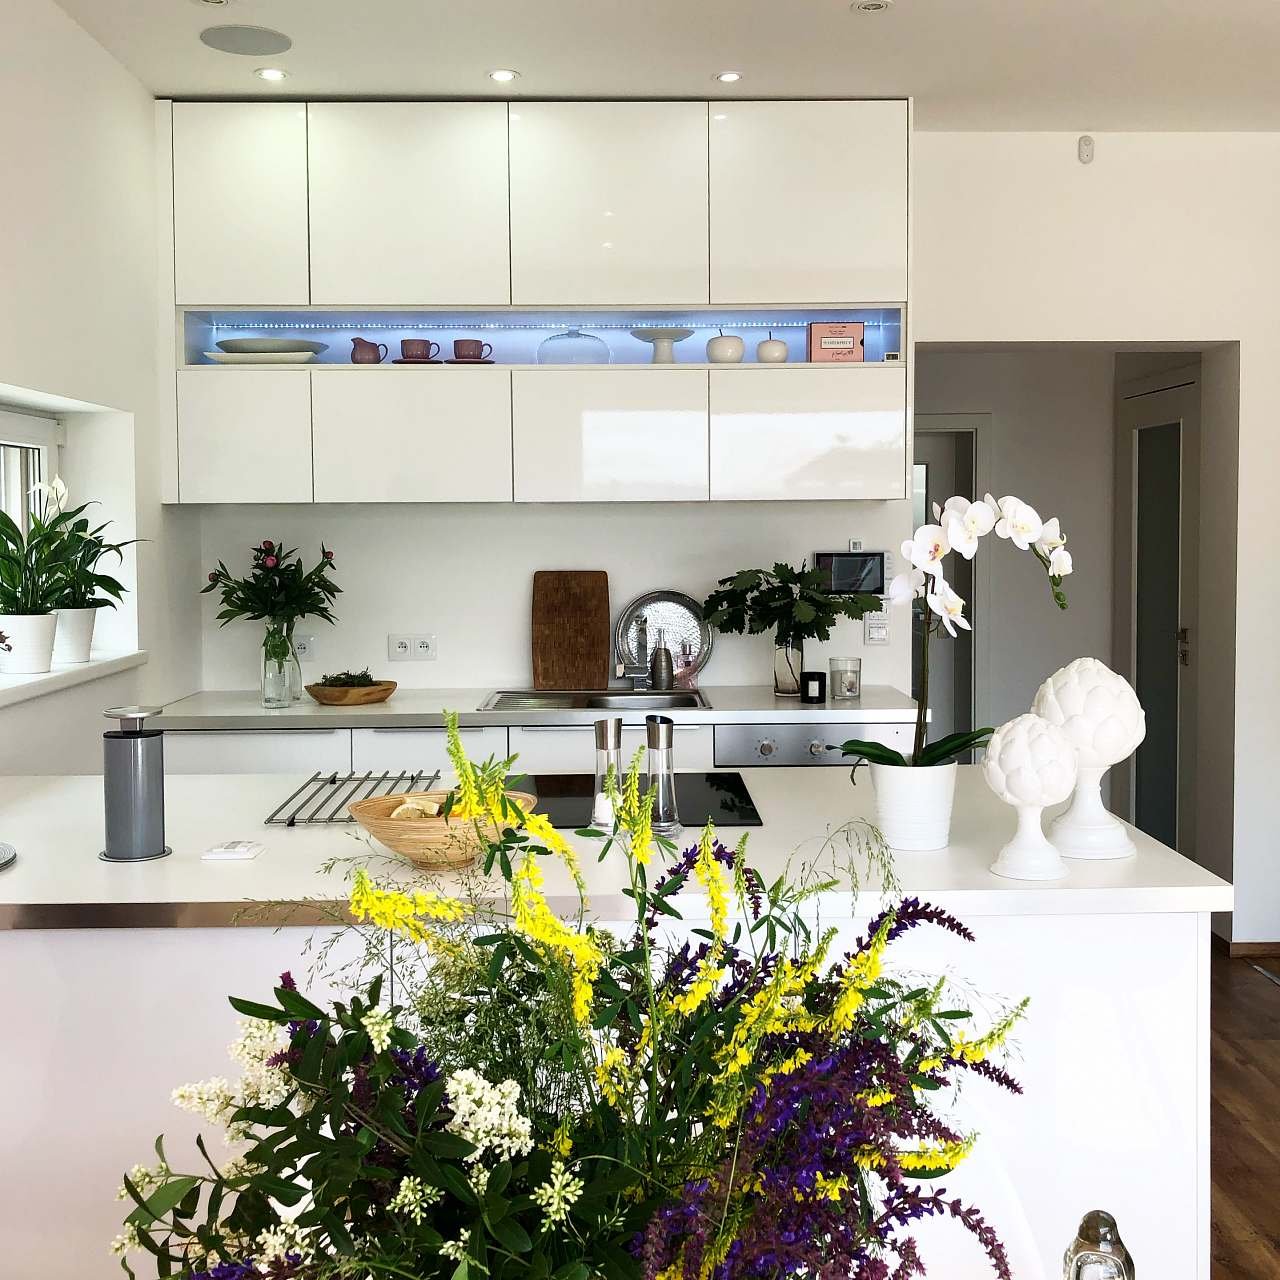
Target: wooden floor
(1245, 1129)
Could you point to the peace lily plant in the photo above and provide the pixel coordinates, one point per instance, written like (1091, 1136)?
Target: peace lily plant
(915, 807)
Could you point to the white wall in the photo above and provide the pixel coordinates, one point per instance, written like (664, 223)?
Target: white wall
(465, 573)
(1051, 444)
(1165, 237)
(78, 319)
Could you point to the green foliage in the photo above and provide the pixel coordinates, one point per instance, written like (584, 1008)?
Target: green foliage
(948, 748)
(348, 680)
(277, 587)
(788, 601)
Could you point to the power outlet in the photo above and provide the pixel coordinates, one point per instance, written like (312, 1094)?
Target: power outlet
(411, 648)
(304, 647)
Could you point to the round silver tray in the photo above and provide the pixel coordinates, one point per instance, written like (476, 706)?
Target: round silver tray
(8, 855)
(679, 616)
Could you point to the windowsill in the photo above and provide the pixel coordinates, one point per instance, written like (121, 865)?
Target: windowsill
(67, 674)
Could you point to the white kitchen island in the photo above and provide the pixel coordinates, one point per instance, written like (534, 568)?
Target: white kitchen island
(116, 977)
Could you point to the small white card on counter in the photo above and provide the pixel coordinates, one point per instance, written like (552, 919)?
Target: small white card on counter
(234, 851)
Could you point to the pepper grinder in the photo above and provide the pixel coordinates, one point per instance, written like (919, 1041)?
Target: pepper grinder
(608, 757)
(133, 783)
(660, 734)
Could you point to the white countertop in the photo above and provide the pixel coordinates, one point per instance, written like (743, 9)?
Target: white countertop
(409, 708)
(56, 824)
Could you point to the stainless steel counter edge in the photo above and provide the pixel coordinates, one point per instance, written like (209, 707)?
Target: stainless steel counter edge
(425, 709)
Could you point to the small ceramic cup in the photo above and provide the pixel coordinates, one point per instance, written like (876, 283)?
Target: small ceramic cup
(418, 349)
(471, 349)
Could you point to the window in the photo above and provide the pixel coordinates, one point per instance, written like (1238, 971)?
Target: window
(29, 454)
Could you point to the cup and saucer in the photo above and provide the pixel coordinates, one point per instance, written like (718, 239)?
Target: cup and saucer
(418, 351)
(471, 351)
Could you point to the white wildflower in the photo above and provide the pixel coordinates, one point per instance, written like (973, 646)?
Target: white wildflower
(488, 1116)
(456, 1250)
(478, 1177)
(143, 1179)
(558, 1194)
(262, 1084)
(378, 1023)
(126, 1241)
(278, 1244)
(237, 1167)
(212, 1099)
(414, 1197)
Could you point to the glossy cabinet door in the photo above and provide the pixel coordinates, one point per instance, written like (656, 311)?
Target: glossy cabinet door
(240, 203)
(612, 435)
(422, 750)
(808, 202)
(244, 435)
(609, 203)
(296, 751)
(796, 434)
(408, 203)
(435, 434)
(570, 748)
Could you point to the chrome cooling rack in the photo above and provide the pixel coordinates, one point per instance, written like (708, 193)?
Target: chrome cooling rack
(324, 797)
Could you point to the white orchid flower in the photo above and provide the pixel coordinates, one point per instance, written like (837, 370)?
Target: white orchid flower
(1019, 522)
(54, 494)
(926, 549)
(1059, 562)
(948, 606)
(965, 522)
(1050, 538)
(905, 586)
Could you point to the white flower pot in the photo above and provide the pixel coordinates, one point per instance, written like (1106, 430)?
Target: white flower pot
(913, 805)
(74, 636)
(30, 639)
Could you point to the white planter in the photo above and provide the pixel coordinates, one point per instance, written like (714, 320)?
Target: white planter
(913, 805)
(74, 635)
(30, 638)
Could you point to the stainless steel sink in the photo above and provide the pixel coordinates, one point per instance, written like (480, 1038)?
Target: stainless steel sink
(592, 700)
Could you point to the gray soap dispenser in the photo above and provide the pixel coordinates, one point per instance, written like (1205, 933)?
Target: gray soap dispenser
(133, 785)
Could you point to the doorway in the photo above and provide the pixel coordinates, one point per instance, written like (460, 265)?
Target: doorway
(1158, 450)
(949, 458)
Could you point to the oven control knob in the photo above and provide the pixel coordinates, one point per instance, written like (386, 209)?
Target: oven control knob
(817, 747)
(766, 747)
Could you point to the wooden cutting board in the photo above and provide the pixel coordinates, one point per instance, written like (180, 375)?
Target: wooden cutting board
(571, 641)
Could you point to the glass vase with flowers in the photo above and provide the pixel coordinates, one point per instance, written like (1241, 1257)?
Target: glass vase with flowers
(279, 591)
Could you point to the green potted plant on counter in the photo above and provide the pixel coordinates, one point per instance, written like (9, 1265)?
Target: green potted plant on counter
(277, 591)
(915, 792)
(52, 561)
(792, 603)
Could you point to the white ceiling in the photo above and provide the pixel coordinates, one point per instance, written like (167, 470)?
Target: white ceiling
(970, 64)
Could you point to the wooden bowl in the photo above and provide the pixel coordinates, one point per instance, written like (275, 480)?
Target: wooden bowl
(363, 695)
(437, 844)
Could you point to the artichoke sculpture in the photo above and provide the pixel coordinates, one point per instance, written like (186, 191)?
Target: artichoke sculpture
(1030, 764)
(1104, 721)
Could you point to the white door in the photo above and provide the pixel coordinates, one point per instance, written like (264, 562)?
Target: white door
(244, 435)
(609, 203)
(795, 434)
(636, 435)
(1157, 572)
(437, 434)
(240, 203)
(808, 202)
(408, 203)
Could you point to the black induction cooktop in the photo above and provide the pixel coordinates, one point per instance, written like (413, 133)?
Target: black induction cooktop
(723, 797)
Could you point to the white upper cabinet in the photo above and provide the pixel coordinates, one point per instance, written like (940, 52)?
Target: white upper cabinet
(408, 203)
(808, 202)
(244, 438)
(412, 435)
(240, 203)
(609, 203)
(610, 435)
(799, 434)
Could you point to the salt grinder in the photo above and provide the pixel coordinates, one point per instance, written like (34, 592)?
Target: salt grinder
(133, 783)
(1097, 1252)
(660, 732)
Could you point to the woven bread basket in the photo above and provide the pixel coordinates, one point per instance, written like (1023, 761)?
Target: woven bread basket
(436, 844)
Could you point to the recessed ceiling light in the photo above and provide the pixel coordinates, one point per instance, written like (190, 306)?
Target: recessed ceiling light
(728, 77)
(871, 6)
(504, 76)
(271, 73)
(254, 42)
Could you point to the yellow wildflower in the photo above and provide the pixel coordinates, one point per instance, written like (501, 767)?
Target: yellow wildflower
(540, 924)
(878, 1097)
(539, 827)
(710, 875)
(931, 1159)
(562, 1142)
(402, 913)
(613, 1074)
(468, 803)
(977, 1050)
(830, 1188)
(860, 973)
(633, 810)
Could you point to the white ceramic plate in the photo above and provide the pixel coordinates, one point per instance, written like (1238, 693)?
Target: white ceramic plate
(260, 357)
(254, 346)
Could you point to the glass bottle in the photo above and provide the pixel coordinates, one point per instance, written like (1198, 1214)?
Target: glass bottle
(660, 731)
(281, 683)
(608, 757)
(1097, 1252)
